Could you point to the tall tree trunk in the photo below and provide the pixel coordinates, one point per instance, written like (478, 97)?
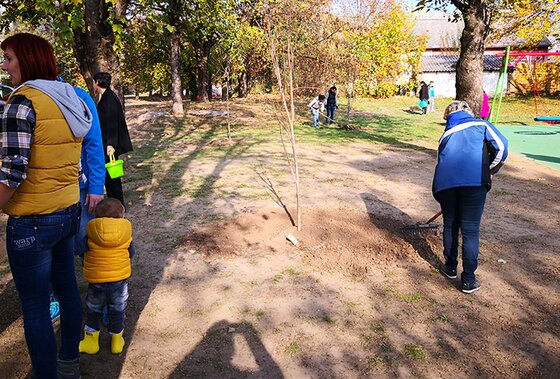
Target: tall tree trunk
(225, 84)
(469, 79)
(193, 87)
(94, 47)
(176, 85)
(242, 87)
(202, 55)
(209, 85)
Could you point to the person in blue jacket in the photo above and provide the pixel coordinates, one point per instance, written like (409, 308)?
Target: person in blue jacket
(92, 178)
(470, 151)
(92, 181)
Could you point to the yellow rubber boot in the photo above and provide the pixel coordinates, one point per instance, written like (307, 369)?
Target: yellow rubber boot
(117, 343)
(90, 343)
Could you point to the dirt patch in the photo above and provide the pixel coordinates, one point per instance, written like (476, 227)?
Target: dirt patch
(338, 240)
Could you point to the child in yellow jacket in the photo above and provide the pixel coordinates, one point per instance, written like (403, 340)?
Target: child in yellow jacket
(107, 269)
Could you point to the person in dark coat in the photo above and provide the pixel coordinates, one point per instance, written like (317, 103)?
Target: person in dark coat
(424, 96)
(114, 132)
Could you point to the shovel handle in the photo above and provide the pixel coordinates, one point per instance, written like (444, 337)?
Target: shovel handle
(434, 217)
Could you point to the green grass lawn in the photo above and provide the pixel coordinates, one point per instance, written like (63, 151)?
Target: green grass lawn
(372, 121)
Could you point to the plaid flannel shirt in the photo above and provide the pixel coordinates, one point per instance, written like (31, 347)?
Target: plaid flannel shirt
(16, 137)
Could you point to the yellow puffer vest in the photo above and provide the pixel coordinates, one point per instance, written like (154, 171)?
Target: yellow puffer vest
(107, 259)
(52, 173)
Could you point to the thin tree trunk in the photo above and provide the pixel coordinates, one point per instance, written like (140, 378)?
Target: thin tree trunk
(289, 110)
(225, 87)
(225, 91)
(176, 85)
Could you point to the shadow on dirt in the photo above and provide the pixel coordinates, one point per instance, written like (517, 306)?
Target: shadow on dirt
(11, 310)
(212, 356)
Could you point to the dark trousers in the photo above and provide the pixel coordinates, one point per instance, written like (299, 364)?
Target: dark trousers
(330, 114)
(113, 187)
(462, 209)
(113, 295)
(41, 251)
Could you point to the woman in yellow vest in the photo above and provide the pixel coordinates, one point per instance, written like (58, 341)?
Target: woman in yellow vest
(40, 143)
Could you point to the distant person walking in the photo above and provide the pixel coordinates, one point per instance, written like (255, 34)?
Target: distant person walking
(424, 95)
(431, 98)
(332, 105)
(317, 105)
(114, 132)
(470, 151)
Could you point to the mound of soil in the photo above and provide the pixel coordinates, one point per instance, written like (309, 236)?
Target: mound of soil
(338, 240)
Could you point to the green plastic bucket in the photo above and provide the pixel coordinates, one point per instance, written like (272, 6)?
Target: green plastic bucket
(115, 168)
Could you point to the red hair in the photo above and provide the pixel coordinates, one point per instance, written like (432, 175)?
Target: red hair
(35, 55)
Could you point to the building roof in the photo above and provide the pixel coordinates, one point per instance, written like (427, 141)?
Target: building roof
(445, 34)
(448, 63)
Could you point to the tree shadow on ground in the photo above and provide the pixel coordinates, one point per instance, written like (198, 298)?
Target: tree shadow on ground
(542, 158)
(163, 185)
(212, 356)
(413, 110)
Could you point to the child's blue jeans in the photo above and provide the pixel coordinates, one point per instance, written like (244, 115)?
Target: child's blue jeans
(315, 113)
(115, 296)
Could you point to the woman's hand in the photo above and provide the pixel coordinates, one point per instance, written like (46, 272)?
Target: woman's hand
(110, 150)
(92, 201)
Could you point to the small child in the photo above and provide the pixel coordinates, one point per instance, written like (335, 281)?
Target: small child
(317, 105)
(106, 269)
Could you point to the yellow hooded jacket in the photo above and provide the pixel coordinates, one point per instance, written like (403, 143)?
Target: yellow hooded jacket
(107, 259)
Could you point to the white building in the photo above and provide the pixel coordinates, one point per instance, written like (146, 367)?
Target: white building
(441, 70)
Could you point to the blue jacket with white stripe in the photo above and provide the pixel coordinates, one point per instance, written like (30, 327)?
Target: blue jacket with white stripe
(468, 150)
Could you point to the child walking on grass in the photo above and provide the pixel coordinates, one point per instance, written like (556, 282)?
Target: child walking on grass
(317, 105)
(106, 269)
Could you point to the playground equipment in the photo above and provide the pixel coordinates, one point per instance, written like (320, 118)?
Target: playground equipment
(501, 85)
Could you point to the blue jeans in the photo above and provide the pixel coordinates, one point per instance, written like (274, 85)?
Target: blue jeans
(315, 113)
(462, 209)
(41, 251)
(115, 296)
(330, 114)
(81, 239)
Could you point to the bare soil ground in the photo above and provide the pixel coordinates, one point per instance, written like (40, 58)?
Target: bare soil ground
(218, 292)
